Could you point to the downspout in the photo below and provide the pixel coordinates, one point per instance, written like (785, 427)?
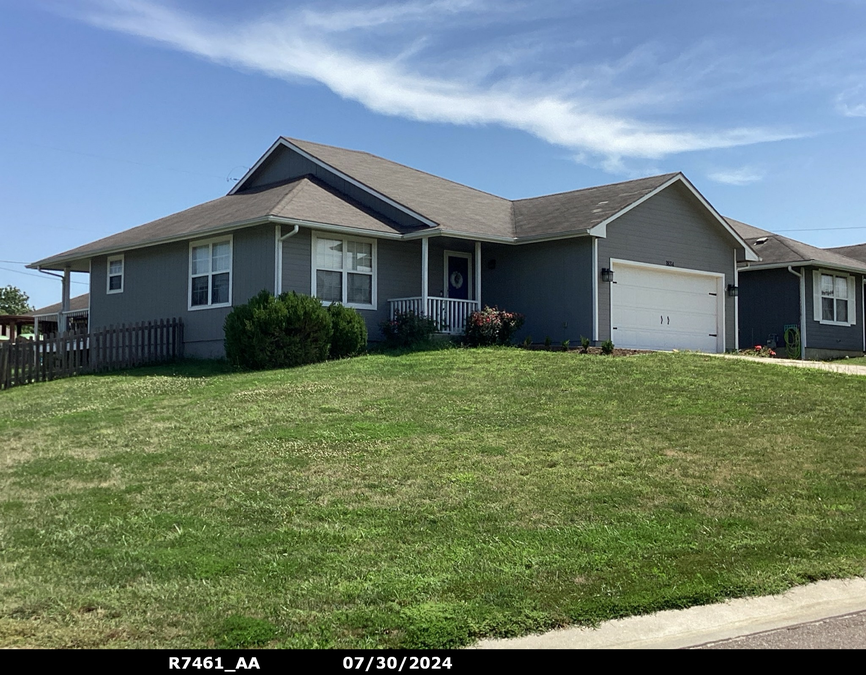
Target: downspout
(278, 263)
(802, 276)
(595, 290)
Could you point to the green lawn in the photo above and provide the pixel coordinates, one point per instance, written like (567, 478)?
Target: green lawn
(419, 500)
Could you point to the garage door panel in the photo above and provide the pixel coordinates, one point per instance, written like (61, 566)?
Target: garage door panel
(664, 309)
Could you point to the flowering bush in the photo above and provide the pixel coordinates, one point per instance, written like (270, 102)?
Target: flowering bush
(759, 350)
(492, 326)
(408, 329)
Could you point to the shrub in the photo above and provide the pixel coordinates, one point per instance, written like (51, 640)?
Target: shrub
(282, 332)
(492, 326)
(585, 342)
(408, 329)
(527, 342)
(350, 332)
(565, 344)
(547, 343)
(607, 347)
(759, 350)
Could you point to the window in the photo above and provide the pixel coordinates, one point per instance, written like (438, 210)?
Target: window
(210, 273)
(835, 297)
(114, 282)
(344, 271)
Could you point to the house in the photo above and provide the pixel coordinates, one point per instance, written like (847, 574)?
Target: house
(818, 292)
(46, 320)
(647, 263)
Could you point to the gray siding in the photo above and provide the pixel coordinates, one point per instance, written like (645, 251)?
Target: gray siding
(285, 164)
(156, 286)
(670, 227)
(550, 283)
(769, 300)
(838, 338)
(398, 273)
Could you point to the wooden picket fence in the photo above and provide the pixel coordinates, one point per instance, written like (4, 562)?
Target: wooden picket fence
(112, 348)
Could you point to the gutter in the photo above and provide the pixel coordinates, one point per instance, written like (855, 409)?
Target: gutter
(801, 275)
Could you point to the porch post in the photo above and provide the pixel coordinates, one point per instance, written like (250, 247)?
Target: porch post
(478, 273)
(425, 270)
(64, 302)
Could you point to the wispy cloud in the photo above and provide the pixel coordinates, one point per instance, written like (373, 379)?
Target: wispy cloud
(323, 46)
(852, 102)
(743, 176)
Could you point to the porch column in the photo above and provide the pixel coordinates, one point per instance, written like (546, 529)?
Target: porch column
(478, 273)
(425, 274)
(35, 327)
(64, 302)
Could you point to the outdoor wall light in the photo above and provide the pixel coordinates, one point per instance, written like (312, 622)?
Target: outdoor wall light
(606, 274)
(733, 291)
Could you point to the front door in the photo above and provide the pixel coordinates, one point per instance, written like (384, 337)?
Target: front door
(457, 276)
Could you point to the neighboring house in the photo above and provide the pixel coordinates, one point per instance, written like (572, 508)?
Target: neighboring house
(46, 319)
(818, 291)
(647, 263)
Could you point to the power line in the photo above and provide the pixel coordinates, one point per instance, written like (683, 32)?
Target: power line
(14, 262)
(822, 229)
(41, 276)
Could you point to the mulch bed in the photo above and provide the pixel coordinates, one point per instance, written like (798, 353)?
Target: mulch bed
(590, 350)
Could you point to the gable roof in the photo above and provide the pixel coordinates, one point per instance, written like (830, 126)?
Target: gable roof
(304, 199)
(857, 252)
(778, 251)
(581, 209)
(430, 202)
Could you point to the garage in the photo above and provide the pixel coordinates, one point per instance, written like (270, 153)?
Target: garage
(656, 307)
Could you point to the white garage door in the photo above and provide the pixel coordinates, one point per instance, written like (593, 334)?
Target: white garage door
(665, 308)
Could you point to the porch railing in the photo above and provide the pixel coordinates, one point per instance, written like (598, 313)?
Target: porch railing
(449, 313)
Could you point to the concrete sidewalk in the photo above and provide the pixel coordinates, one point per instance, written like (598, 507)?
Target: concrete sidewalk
(834, 366)
(676, 629)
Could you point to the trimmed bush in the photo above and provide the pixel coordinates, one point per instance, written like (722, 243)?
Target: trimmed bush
(350, 332)
(269, 332)
(492, 326)
(408, 329)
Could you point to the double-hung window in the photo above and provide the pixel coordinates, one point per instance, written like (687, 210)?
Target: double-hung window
(835, 296)
(210, 273)
(114, 282)
(344, 271)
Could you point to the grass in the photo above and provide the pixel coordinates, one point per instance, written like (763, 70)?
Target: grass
(856, 361)
(420, 500)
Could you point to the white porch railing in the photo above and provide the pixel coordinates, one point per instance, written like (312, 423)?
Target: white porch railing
(449, 313)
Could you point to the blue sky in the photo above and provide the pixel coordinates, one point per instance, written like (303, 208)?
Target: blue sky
(117, 112)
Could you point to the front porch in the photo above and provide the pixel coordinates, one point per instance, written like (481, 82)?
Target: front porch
(461, 288)
(449, 314)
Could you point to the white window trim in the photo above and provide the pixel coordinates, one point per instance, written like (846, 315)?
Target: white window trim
(458, 254)
(817, 310)
(345, 271)
(108, 274)
(210, 242)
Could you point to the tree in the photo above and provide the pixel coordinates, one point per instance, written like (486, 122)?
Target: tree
(14, 301)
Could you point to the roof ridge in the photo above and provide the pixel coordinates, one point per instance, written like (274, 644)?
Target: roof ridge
(402, 166)
(291, 194)
(595, 187)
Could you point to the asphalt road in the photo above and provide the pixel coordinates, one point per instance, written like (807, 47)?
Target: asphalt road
(838, 632)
